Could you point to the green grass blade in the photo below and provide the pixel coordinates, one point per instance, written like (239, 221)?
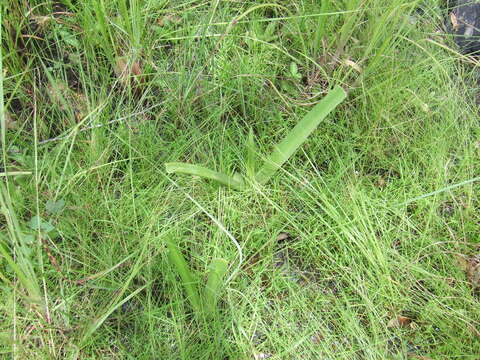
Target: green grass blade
(3, 126)
(322, 20)
(99, 321)
(22, 266)
(299, 134)
(189, 281)
(102, 21)
(32, 290)
(218, 269)
(15, 173)
(252, 152)
(184, 168)
(439, 191)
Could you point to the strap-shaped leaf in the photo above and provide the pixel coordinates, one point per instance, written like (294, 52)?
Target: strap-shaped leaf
(299, 134)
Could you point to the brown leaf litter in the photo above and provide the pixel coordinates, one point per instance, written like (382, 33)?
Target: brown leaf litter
(401, 322)
(471, 266)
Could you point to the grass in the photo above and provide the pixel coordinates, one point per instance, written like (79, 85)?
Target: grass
(348, 252)
(281, 153)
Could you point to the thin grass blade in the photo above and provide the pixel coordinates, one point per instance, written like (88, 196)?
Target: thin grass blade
(22, 266)
(99, 321)
(252, 151)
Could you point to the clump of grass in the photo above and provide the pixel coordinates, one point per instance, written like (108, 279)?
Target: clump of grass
(17, 254)
(362, 229)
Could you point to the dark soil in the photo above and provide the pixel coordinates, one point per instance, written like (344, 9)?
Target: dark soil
(463, 23)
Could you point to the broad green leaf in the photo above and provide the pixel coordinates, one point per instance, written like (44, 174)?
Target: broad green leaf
(54, 207)
(218, 269)
(36, 223)
(184, 168)
(299, 134)
(189, 282)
